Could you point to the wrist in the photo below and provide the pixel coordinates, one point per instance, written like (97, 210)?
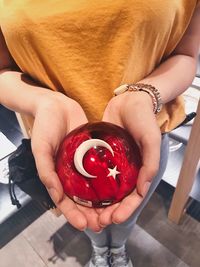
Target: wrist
(152, 91)
(52, 101)
(47, 99)
(139, 100)
(21, 94)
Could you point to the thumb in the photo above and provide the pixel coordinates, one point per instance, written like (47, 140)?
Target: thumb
(46, 170)
(143, 182)
(150, 158)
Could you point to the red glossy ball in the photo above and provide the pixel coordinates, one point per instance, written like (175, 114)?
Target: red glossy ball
(98, 164)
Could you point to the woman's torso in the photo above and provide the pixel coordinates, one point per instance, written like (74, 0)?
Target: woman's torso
(88, 48)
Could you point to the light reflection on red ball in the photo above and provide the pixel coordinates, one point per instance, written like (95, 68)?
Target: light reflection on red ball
(113, 170)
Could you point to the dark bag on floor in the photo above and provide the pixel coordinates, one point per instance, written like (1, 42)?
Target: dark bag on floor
(23, 173)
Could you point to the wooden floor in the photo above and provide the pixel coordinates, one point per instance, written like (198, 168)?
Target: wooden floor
(154, 242)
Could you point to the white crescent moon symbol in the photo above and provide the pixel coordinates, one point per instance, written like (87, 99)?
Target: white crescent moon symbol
(81, 151)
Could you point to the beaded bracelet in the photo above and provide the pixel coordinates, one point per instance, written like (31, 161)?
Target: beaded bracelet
(148, 88)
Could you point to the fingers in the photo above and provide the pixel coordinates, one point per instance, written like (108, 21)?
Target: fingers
(120, 212)
(46, 170)
(105, 218)
(92, 218)
(73, 215)
(126, 208)
(99, 210)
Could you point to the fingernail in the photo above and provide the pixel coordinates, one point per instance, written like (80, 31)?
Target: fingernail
(116, 222)
(145, 188)
(53, 194)
(102, 225)
(98, 232)
(83, 229)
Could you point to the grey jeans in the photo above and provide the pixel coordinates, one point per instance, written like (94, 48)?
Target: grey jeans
(116, 235)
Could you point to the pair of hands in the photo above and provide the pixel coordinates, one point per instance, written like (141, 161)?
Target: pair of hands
(56, 115)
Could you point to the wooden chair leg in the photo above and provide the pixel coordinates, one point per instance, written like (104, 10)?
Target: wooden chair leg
(187, 173)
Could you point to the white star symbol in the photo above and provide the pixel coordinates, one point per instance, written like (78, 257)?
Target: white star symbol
(113, 172)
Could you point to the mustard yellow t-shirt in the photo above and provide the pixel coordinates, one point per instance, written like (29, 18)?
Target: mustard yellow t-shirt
(88, 48)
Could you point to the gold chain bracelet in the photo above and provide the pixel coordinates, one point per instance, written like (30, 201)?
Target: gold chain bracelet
(148, 88)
